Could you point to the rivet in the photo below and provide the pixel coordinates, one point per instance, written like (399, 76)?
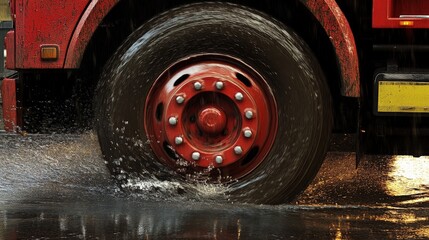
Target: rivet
(180, 99)
(248, 133)
(219, 85)
(249, 114)
(239, 96)
(173, 121)
(238, 150)
(219, 159)
(178, 140)
(198, 86)
(196, 156)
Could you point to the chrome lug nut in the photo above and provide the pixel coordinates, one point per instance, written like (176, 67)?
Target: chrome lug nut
(249, 114)
(178, 140)
(248, 133)
(173, 121)
(238, 150)
(196, 156)
(219, 159)
(239, 96)
(198, 86)
(219, 85)
(180, 99)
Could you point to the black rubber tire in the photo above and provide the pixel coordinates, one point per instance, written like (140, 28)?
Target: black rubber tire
(272, 49)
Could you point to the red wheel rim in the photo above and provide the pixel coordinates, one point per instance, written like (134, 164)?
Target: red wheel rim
(211, 116)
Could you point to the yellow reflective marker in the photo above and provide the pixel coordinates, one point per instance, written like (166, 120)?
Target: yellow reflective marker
(49, 52)
(402, 96)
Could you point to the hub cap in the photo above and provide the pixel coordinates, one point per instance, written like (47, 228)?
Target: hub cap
(212, 120)
(219, 114)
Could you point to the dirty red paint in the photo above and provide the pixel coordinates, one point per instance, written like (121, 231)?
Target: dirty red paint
(63, 24)
(326, 11)
(12, 9)
(44, 22)
(87, 25)
(10, 116)
(10, 49)
(330, 16)
(386, 13)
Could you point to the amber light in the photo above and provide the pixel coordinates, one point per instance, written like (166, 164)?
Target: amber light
(49, 52)
(406, 23)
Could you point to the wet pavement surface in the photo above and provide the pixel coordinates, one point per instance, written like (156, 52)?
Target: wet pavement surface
(57, 187)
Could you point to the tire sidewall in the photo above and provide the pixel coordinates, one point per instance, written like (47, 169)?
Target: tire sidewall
(266, 45)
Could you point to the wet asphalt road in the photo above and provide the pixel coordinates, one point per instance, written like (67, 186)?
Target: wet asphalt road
(56, 187)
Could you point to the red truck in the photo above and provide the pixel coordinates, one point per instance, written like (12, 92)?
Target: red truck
(244, 94)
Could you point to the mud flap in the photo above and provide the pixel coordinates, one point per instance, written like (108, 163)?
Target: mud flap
(359, 137)
(10, 110)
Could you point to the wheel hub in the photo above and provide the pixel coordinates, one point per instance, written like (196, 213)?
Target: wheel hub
(212, 120)
(210, 114)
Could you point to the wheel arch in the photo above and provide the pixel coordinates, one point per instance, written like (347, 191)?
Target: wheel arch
(325, 15)
(336, 26)
(85, 29)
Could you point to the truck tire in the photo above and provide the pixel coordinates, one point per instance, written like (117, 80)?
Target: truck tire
(220, 93)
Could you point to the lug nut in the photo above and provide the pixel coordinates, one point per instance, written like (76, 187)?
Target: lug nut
(219, 159)
(249, 114)
(239, 96)
(248, 133)
(219, 85)
(196, 156)
(198, 86)
(180, 99)
(238, 150)
(178, 140)
(173, 121)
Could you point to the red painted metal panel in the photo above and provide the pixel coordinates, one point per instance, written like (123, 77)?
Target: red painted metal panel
(44, 22)
(332, 19)
(64, 20)
(10, 116)
(390, 13)
(10, 49)
(86, 27)
(12, 8)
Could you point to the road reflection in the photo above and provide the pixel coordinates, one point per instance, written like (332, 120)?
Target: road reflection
(55, 187)
(125, 219)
